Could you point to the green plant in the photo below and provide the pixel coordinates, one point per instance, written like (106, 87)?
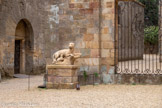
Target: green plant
(151, 35)
(96, 74)
(85, 75)
(134, 83)
(151, 11)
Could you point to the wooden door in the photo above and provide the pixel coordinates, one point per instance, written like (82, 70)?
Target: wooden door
(17, 57)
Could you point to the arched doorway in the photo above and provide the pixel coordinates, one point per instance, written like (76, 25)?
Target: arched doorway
(24, 44)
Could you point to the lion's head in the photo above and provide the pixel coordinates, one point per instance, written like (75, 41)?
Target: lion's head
(71, 45)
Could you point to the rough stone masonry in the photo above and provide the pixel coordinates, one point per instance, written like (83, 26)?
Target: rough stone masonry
(45, 26)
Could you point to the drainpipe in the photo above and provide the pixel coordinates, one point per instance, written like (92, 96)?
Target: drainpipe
(115, 35)
(99, 34)
(0, 77)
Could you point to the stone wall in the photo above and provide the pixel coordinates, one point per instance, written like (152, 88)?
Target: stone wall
(107, 35)
(11, 12)
(55, 23)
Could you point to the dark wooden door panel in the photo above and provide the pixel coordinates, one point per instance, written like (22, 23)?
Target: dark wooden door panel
(17, 57)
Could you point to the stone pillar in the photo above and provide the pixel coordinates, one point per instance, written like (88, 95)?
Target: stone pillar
(107, 35)
(61, 77)
(86, 21)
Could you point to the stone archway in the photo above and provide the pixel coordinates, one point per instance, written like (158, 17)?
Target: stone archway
(24, 44)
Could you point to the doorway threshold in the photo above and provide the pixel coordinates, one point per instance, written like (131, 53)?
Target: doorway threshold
(20, 76)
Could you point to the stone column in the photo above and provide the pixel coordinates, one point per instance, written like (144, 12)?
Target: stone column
(107, 35)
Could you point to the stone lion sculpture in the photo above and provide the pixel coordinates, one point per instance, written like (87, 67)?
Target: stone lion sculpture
(66, 56)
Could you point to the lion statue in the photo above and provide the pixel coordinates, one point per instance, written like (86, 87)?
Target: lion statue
(65, 56)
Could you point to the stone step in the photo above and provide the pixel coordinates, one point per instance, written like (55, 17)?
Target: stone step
(20, 76)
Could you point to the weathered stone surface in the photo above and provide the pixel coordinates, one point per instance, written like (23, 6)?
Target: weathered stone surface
(62, 79)
(55, 24)
(109, 61)
(85, 52)
(61, 76)
(10, 27)
(109, 4)
(61, 86)
(62, 66)
(105, 53)
(137, 79)
(108, 45)
(62, 72)
(95, 53)
(88, 37)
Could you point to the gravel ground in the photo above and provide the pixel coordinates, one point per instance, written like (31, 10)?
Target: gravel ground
(14, 94)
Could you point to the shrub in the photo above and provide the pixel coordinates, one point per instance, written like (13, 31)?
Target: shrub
(151, 11)
(96, 74)
(151, 35)
(85, 75)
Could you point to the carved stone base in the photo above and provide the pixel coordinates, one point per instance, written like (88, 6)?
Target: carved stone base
(61, 86)
(61, 77)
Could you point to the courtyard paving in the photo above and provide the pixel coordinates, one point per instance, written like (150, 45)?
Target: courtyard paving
(14, 94)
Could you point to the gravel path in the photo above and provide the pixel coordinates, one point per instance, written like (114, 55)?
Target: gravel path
(14, 94)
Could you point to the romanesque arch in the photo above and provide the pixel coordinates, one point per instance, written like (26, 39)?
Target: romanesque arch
(24, 45)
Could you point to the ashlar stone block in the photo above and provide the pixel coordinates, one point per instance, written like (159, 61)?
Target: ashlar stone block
(62, 76)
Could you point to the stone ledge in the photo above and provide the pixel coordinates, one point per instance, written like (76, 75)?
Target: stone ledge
(57, 79)
(62, 72)
(62, 66)
(50, 85)
(151, 79)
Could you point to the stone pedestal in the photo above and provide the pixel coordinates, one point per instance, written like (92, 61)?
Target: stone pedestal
(62, 76)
